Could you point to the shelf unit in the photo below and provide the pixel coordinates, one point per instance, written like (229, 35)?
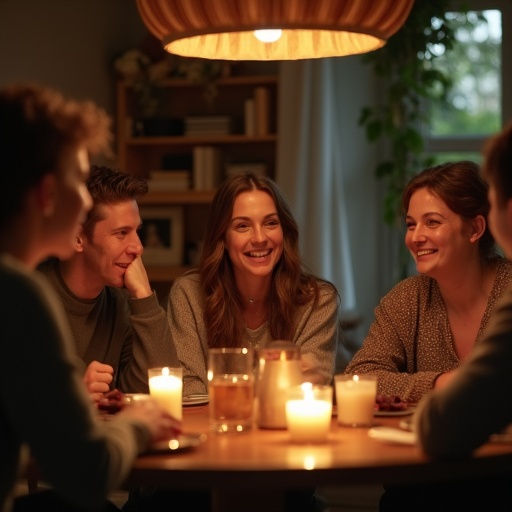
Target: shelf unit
(180, 98)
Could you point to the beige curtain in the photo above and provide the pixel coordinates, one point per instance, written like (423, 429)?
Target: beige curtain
(310, 169)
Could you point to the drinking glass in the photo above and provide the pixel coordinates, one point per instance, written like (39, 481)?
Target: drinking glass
(231, 389)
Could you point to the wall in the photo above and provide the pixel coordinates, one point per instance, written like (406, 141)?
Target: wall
(70, 45)
(67, 44)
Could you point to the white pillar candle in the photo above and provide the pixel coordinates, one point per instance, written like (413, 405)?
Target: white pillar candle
(165, 387)
(355, 399)
(308, 413)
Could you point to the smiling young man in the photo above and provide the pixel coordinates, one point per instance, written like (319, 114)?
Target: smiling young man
(119, 327)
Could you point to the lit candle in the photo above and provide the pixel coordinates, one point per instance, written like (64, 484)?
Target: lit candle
(165, 387)
(308, 413)
(355, 399)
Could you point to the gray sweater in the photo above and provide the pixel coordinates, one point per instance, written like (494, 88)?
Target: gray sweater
(44, 405)
(316, 335)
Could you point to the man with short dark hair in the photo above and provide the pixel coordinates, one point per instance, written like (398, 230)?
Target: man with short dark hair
(119, 327)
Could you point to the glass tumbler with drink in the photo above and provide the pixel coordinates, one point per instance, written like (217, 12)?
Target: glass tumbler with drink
(231, 389)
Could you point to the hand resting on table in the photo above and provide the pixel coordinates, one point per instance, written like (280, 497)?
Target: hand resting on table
(160, 424)
(97, 379)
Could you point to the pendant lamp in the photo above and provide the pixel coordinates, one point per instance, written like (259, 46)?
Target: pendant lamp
(305, 29)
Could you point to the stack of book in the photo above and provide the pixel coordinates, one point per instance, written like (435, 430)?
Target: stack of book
(207, 125)
(206, 171)
(167, 181)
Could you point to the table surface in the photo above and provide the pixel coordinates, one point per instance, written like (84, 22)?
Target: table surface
(266, 459)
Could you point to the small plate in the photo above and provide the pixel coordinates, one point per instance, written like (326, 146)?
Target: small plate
(195, 400)
(182, 443)
(405, 412)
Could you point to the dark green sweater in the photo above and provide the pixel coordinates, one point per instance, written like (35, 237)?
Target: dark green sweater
(131, 335)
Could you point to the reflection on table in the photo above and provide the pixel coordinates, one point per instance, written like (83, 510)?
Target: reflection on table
(266, 463)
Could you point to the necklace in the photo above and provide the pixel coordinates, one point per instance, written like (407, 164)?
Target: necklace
(253, 302)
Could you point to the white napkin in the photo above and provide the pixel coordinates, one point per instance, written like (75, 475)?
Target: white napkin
(392, 435)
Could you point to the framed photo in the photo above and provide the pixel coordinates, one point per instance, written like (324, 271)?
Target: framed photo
(162, 235)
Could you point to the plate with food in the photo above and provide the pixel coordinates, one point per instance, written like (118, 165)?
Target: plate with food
(392, 405)
(404, 412)
(181, 443)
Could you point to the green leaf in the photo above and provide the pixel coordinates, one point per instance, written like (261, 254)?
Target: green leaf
(384, 169)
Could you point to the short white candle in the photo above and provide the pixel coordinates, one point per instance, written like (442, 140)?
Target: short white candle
(309, 418)
(355, 398)
(166, 389)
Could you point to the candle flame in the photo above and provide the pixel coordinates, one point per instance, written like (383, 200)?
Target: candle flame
(309, 462)
(307, 388)
(165, 371)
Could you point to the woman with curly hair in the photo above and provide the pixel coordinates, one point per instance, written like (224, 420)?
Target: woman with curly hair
(252, 287)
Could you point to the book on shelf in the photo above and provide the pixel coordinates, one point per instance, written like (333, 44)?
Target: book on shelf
(249, 119)
(206, 168)
(257, 112)
(166, 180)
(207, 125)
(261, 111)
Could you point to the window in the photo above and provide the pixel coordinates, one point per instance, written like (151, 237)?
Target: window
(478, 103)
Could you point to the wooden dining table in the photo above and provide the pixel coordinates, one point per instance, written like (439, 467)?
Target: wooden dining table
(253, 470)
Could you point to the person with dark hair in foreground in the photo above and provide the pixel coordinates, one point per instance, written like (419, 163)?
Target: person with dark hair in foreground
(45, 411)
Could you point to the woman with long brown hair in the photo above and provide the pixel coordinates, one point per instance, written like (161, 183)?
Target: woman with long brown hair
(251, 286)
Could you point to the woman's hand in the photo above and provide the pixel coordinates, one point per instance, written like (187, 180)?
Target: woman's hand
(444, 379)
(160, 424)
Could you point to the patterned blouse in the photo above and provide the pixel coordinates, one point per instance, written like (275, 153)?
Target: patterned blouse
(410, 343)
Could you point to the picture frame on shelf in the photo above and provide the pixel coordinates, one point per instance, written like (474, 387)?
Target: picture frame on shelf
(162, 235)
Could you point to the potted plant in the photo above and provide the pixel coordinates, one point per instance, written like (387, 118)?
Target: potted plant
(146, 76)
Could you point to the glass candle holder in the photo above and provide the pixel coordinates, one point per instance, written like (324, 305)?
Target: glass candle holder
(166, 388)
(355, 399)
(308, 413)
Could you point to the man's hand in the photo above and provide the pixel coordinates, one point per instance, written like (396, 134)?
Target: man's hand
(136, 280)
(97, 379)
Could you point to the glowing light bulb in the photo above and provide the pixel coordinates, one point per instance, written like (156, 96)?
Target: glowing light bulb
(268, 35)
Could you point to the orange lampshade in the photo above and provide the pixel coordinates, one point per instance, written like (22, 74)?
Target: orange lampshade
(311, 29)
